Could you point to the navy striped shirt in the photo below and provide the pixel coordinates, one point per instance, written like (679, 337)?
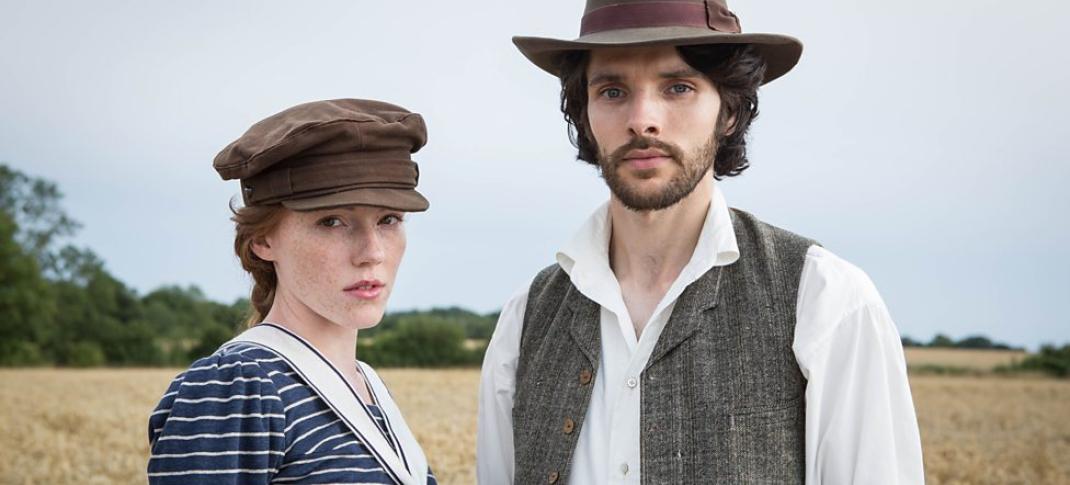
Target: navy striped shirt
(243, 416)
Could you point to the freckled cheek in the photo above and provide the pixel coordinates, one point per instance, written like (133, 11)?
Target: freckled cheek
(395, 251)
(315, 268)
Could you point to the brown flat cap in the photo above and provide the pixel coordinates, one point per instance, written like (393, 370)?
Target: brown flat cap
(329, 154)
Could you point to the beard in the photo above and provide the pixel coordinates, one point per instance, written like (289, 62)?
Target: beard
(693, 167)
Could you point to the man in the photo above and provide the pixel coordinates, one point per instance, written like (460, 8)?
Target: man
(677, 340)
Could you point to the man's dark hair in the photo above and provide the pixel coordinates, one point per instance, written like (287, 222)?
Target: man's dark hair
(735, 69)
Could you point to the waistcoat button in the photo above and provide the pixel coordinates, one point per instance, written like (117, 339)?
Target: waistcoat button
(553, 477)
(585, 377)
(569, 426)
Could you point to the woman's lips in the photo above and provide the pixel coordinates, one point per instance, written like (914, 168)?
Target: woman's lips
(365, 289)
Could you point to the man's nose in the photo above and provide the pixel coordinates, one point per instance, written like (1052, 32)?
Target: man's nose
(645, 115)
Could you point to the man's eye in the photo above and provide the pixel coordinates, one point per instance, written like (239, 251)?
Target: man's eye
(392, 219)
(330, 221)
(680, 88)
(612, 93)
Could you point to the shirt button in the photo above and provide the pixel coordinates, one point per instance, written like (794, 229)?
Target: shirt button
(585, 377)
(623, 468)
(569, 426)
(632, 382)
(553, 477)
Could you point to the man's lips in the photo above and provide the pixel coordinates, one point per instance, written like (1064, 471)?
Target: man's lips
(646, 153)
(365, 289)
(646, 159)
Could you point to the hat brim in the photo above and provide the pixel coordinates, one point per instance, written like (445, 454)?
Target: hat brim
(781, 52)
(406, 200)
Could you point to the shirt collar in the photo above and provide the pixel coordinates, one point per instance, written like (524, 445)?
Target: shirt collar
(586, 257)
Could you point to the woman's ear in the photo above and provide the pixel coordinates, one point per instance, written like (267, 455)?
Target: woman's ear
(262, 248)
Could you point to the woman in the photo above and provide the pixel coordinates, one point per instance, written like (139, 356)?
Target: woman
(326, 186)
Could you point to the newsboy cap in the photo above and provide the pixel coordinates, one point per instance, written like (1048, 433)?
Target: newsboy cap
(328, 154)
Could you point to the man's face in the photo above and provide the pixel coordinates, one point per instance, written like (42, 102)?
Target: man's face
(653, 118)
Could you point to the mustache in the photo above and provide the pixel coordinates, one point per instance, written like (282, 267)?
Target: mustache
(643, 143)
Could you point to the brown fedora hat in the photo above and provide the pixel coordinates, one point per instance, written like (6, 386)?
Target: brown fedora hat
(619, 23)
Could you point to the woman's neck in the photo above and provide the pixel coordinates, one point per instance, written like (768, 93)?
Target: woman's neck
(337, 343)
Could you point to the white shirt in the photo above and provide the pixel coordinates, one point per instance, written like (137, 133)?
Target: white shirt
(860, 422)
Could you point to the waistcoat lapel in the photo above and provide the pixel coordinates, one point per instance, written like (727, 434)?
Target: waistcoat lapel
(584, 328)
(700, 296)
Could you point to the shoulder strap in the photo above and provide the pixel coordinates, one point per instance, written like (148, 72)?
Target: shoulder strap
(410, 448)
(314, 368)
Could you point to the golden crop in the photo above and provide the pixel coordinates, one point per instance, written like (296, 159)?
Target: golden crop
(89, 426)
(977, 360)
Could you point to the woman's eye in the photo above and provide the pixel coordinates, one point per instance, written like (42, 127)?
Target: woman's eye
(391, 219)
(330, 221)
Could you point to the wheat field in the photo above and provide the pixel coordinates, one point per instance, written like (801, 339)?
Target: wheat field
(974, 360)
(89, 426)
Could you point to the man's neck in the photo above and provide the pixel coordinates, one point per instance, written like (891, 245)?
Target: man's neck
(648, 250)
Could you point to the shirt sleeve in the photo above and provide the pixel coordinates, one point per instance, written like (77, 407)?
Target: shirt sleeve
(497, 386)
(220, 422)
(860, 421)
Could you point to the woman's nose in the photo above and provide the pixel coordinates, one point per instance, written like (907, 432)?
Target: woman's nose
(368, 249)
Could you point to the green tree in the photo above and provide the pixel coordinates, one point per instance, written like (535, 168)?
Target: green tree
(27, 306)
(474, 325)
(176, 312)
(211, 337)
(1050, 360)
(190, 325)
(59, 303)
(33, 203)
(975, 342)
(417, 343)
(909, 342)
(941, 340)
(96, 307)
(85, 354)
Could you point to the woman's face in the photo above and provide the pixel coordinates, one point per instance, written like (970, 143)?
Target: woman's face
(336, 265)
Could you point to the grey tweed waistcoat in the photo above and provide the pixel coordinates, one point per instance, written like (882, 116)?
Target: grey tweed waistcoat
(721, 396)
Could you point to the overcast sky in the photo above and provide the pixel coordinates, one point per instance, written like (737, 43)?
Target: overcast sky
(924, 141)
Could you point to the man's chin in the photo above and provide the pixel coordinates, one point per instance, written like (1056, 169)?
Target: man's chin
(644, 202)
(644, 174)
(651, 187)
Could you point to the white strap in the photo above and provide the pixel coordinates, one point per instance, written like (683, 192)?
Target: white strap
(325, 379)
(414, 454)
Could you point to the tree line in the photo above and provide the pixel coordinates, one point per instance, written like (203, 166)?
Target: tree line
(60, 306)
(970, 342)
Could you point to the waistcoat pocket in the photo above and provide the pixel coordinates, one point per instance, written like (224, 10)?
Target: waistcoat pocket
(765, 444)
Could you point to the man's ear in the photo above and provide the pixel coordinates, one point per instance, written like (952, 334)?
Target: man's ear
(262, 248)
(729, 126)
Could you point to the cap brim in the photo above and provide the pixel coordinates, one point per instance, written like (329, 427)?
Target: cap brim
(406, 200)
(781, 52)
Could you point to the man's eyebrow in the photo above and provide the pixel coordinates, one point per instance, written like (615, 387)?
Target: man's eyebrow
(603, 78)
(683, 72)
(609, 77)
